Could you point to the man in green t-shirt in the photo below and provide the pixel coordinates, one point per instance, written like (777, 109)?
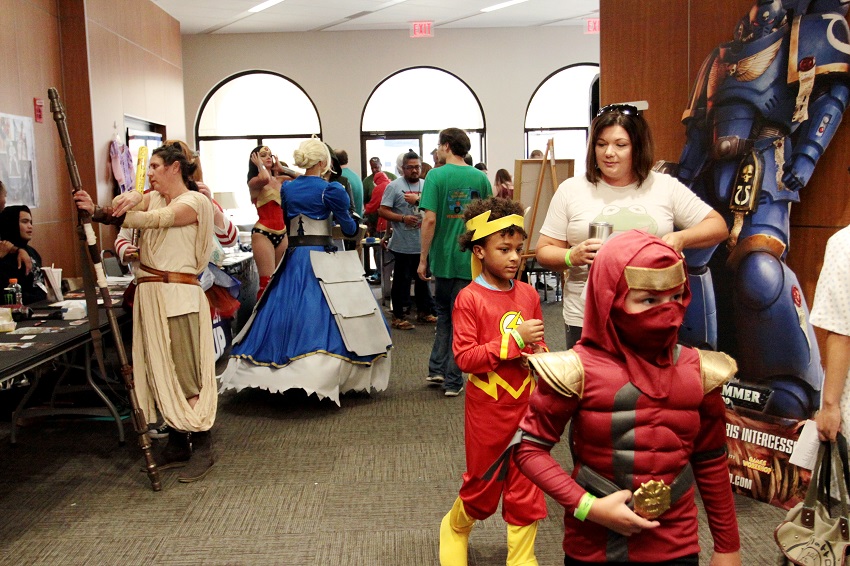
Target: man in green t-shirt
(447, 191)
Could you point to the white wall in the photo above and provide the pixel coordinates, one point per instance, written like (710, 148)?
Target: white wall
(339, 70)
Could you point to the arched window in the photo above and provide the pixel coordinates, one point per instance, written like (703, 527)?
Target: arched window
(561, 109)
(409, 108)
(244, 111)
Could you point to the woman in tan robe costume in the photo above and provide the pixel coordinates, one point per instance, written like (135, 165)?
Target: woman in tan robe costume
(173, 355)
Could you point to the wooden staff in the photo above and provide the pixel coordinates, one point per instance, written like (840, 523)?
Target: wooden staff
(93, 275)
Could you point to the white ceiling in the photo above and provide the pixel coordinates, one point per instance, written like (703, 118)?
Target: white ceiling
(232, 16)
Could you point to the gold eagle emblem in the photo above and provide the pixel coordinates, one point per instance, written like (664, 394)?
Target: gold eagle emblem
(747, 69)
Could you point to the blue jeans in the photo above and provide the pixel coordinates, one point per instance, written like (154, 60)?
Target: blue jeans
(442, 360)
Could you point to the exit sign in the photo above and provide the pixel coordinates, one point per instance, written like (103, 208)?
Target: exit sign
(592, 25)
(421, 29)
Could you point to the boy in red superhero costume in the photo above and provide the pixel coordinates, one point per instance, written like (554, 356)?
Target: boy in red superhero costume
(496, 319)
(647, 417)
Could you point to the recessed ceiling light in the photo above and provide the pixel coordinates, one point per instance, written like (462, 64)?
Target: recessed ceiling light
(502, 5)
(264, 5)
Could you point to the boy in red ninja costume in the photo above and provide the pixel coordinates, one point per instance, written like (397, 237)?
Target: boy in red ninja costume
(496, 319)
(648, 421)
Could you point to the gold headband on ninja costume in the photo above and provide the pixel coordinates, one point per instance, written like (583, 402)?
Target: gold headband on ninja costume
(651, 279)
(482, 227)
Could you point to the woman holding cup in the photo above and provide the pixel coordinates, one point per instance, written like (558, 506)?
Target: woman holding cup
(619, 188)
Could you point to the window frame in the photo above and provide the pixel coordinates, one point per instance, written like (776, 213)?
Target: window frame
(592, 107)
(259, 136)
(366, 135)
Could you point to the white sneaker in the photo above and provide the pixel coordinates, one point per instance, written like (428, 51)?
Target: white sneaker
(453, 392)
(435, 379)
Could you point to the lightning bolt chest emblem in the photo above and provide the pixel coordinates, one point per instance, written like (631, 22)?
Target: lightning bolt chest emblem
(494, 382)
(510, 320)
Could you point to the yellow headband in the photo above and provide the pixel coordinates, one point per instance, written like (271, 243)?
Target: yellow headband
(483, 227)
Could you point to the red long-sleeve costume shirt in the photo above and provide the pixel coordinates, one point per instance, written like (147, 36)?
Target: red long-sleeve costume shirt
(496, 397)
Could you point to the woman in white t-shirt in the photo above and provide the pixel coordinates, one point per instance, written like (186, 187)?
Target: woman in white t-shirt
(619, 188)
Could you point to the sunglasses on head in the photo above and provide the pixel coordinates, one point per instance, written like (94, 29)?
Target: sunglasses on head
(625, 109)
(265, 152)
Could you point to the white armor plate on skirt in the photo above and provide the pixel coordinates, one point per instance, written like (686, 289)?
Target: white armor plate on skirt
(355, 310)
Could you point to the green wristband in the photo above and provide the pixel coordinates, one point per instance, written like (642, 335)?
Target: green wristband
(584, 506)
(519, 341)
(567, 258)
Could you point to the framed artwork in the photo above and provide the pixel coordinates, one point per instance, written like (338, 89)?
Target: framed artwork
(18, 169)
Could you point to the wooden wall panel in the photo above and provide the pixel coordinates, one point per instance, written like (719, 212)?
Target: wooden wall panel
(47, 6)
(10, 94)
(133, 61)
(31, 64)
(107, 14)
(125, 76)
(75, 46)
(710, 24)
(107, 98)
(638, 61)
(171, 48)
(133, 24)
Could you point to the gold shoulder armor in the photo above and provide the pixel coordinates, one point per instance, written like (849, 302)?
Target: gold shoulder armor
(562, 370)
(716, 368)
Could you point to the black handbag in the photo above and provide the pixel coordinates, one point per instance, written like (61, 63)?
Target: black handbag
(809, 535)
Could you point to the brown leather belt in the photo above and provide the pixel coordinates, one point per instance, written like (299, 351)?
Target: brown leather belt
(160, 276)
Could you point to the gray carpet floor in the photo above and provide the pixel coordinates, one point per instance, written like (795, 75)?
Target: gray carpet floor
(297, 482)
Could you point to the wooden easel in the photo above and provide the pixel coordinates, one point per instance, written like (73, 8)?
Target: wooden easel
(548, 159)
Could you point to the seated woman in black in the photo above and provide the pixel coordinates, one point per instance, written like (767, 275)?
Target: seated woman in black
(16, 227)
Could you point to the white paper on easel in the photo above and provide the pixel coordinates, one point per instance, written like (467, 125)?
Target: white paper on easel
(53, 275)
(805, 452)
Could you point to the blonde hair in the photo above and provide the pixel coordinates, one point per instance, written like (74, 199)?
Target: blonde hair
(311, 152)
(191, 157)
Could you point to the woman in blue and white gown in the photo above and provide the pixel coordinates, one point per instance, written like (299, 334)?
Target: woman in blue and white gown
(292, 339)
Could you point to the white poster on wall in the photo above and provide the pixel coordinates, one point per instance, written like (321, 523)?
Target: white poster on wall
(18, 169)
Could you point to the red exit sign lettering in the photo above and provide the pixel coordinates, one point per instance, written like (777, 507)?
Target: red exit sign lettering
(421, 29)
(592, 25)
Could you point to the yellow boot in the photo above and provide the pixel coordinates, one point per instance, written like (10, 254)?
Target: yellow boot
(454, 535)
(521, 545)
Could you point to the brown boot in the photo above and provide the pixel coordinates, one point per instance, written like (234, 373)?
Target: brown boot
(203, 458)
(176, 453)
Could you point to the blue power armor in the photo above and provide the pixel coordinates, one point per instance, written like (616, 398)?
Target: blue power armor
(763, 110)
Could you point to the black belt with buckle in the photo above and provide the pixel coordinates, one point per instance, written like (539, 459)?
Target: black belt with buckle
(650, 500)
(298, 241)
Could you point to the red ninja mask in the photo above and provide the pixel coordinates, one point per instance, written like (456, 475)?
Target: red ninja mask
(644, 341)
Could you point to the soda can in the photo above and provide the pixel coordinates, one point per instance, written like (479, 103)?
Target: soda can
(600, 230)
